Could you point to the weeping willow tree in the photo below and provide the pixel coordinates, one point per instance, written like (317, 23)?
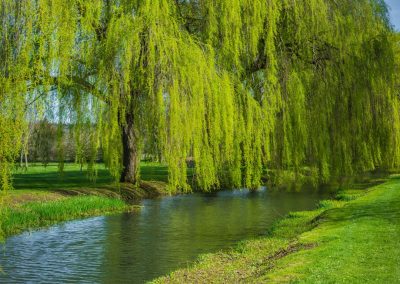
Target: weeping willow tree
(237, 85)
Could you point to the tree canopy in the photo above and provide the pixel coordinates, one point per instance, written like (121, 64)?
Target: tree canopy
(237, 85)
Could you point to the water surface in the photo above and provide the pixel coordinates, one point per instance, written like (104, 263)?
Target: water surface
(167, 234)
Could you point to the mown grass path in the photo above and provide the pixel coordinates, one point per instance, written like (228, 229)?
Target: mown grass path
(355, 239)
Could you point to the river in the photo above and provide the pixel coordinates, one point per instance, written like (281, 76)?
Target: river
(167, 234)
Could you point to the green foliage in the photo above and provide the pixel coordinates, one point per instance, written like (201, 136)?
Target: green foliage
(2, 215)
(236, 85)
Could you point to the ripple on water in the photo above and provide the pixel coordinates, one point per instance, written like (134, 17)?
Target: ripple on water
(132, 248)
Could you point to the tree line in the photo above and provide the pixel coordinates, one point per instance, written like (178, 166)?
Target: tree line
(40, 144)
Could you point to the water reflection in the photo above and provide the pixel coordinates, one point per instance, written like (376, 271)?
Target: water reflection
(131, 248)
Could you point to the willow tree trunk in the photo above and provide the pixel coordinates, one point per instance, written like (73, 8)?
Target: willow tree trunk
(131, 153)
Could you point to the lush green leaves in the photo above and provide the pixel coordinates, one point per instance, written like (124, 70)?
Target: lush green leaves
(236, 85)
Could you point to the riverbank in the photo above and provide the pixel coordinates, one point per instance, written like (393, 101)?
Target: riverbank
(33, 215)
(353, 239)
(42, 197)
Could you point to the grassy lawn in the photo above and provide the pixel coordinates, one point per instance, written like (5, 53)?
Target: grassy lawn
(354, 239)
(40, 177)
(41, 183)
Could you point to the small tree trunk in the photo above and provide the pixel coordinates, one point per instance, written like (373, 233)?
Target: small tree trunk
(21, 162)
(131, 155)
(26, 160)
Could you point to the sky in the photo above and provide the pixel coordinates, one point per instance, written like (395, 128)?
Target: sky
(394, 10)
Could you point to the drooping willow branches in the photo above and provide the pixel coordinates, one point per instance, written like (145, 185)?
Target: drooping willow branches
(236, 85)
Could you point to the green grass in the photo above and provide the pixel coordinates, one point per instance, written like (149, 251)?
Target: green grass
(353, 239)
(33, 215)
(44, 197)
(358, 243)
(38, 177)
(2, 214)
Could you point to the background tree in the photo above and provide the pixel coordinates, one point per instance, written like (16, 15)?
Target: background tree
(44, 142)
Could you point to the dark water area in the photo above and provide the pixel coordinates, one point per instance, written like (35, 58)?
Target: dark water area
(167, 234)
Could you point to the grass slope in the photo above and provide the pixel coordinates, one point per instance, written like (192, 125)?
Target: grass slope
(32, 215)
(44, 197)
(354, 239)
(355, 244)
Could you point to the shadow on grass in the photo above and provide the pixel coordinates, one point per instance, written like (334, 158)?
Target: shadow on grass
(49, 179)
